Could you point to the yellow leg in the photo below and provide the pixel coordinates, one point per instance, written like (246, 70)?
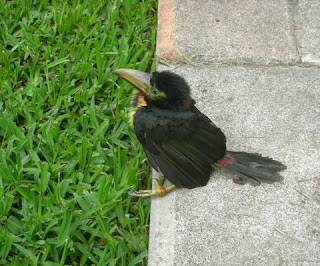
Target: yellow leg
(159, 190)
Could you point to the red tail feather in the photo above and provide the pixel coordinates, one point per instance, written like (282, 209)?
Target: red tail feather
(227, 159)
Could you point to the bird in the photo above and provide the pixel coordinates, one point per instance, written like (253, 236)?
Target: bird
(182, 143)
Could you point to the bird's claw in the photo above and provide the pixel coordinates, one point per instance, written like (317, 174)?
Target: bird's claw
(158, 191)
(160, 181)
(148, 193)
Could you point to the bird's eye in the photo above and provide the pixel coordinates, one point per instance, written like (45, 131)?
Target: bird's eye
(155, 92)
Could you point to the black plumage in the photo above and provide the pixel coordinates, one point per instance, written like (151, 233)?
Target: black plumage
(180, 141)
(181, 145)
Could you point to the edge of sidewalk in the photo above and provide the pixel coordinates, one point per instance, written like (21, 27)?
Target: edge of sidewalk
(166, 47)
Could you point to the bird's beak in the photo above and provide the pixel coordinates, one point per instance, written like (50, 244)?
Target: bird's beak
(138, 79)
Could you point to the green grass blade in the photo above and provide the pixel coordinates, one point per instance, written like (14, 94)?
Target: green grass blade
(67, 153)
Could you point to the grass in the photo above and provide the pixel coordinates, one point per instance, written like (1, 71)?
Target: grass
(67, 153)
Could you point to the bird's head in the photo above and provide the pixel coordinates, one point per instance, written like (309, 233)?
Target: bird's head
(165, 90)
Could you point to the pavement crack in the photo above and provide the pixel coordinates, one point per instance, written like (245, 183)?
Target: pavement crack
(295, 25)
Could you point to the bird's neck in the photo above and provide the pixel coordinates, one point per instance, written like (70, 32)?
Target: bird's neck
(188, 103)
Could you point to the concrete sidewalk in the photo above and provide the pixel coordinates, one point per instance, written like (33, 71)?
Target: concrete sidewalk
(254, 69)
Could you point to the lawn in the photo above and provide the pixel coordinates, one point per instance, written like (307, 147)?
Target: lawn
(67, 152)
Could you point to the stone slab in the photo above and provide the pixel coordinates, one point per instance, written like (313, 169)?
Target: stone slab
(308, 31)
(271, 110)
(238, 32)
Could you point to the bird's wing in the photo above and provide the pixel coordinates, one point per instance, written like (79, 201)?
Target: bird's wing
(183, 147)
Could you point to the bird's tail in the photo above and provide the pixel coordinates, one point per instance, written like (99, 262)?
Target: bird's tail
(252, 167)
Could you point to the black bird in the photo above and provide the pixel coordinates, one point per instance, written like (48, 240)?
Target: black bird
(180, 141)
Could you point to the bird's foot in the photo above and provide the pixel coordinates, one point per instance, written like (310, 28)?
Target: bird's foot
(159, 190)
(160, 181)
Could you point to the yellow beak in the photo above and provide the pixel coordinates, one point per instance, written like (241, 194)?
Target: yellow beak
(140, 80)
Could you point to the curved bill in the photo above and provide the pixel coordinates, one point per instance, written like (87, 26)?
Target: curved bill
(138, 79)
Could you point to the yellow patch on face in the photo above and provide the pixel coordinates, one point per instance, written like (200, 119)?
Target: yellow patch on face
(140, 102)
(161, 94)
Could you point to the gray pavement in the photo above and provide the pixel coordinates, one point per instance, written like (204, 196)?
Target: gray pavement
(254, 70)
(307, 19)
